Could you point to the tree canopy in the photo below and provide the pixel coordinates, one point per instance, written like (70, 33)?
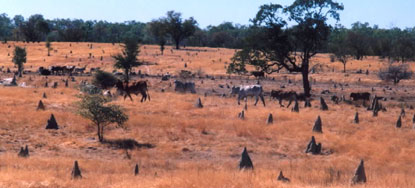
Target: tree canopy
(94, 108)
(272, 46)
(19, 58)
(128, 59)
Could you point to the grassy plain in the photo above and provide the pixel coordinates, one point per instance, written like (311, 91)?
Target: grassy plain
(200, 147)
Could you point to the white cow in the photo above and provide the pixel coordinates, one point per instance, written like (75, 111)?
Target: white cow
(107, 93)
(248, 90)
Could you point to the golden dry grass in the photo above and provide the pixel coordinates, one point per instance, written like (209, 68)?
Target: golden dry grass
(198, 147)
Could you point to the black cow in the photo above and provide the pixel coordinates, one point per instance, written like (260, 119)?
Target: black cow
(290, 96)
(57, 70)
(258, 74)
(365, 96)
(44, 72)
(335, 99)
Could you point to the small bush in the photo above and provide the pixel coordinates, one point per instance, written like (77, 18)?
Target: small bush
(90, 89)
(104, 80)
(395, 73)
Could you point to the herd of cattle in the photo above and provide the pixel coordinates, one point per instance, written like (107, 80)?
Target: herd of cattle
(256, 90)
(62, 70)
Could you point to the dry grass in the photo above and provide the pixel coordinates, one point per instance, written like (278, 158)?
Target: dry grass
(197, 147)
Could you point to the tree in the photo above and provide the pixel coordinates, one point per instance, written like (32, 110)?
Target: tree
(6, 27)
(339, 47)
(359, 40)
(403, 47)
(94, 108)
(104, 80)
(35, 29)
(270, 48)
(158, 30)
(177, 28)
(19, 58)
(128, 59)
(18, 21)
(48, 46)
(395, 73)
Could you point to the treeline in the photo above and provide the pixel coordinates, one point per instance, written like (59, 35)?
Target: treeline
(36, 28)
(363, 40)
(359, 41)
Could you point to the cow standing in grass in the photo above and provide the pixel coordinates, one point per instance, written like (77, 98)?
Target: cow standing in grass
(136, 88)
(365, 96)
(258, 74)
(248, 90)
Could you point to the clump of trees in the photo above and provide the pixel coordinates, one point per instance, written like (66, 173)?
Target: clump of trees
(19, 59)
(339, 46)
(174, 26)
(96, 109)
(158, 30)
(395, 73)
(363, 40)
(175, 30)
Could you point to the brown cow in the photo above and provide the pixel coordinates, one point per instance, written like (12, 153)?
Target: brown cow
(136, 88)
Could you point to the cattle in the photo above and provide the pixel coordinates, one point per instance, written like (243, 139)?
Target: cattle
(68, 69)
(283, 95)
(44, 72)
(248, 90)
(184, 86)
(257, 74)
(165, 77)
(360, 96)
(80, 70)
(94, 69)
(107, 93)
(136, 88)
(335, 99)
(56, 69)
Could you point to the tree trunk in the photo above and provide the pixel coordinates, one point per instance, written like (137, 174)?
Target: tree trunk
(177, 44)
(100, 137)
(306, 82)
(127, 76)
(344, 67)
(162, 49)
(102, 134)
(20, 70)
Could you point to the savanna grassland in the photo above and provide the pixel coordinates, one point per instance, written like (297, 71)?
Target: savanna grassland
(201, 147)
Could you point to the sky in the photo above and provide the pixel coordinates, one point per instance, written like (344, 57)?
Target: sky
(384, 13)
